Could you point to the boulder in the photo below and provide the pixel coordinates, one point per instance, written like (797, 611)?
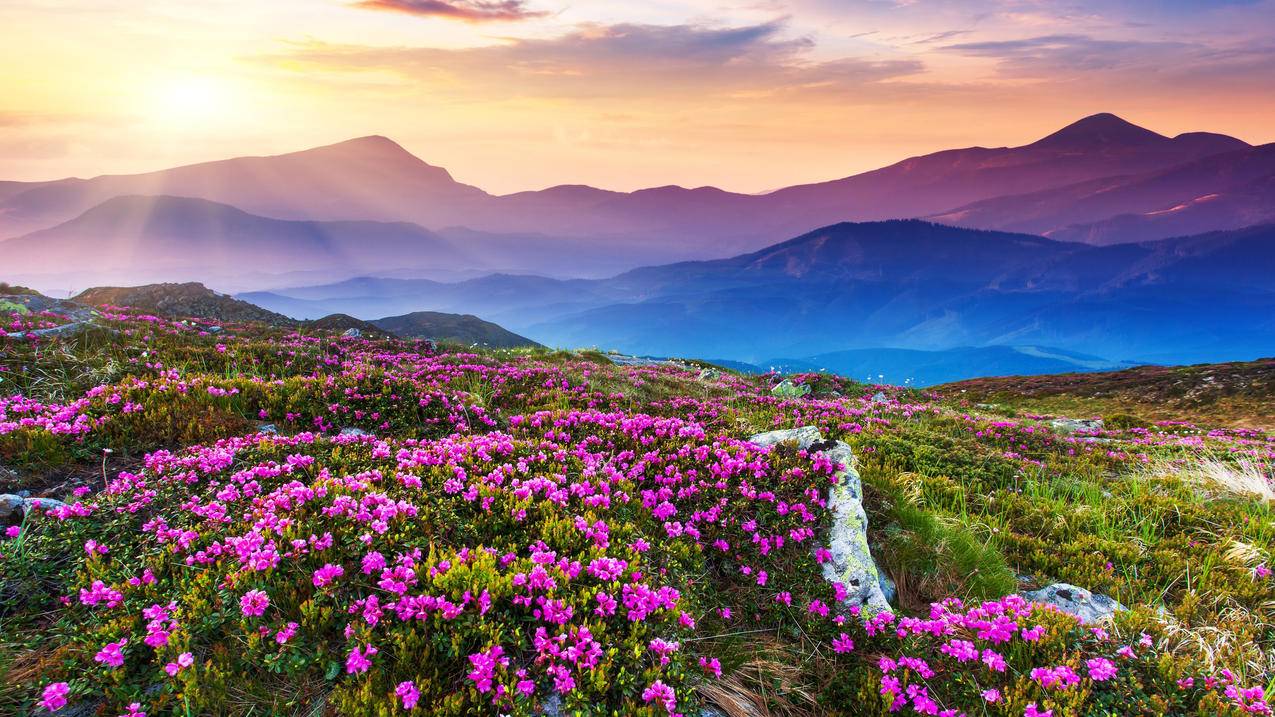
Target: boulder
(214, 329)
(11, 507)
(356, 432)
(267, 428)
(880, 397)
(852, 563)
(788, 389)
(352, 333)
(1076, 425)
(709, 374)
(1090, 608)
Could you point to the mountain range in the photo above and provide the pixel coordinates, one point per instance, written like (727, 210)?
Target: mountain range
(905, 284)
(1099, 180)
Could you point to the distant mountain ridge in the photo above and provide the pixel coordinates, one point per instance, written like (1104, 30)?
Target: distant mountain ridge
(1100, 179)
(901, 284)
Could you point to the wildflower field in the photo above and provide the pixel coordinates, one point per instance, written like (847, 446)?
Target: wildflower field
(260, 521)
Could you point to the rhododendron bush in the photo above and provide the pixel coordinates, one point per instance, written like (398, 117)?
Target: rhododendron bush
(511, 534)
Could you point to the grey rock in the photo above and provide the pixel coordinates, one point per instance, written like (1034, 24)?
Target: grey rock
(356, 432)
(709, 374)
(352, 333)
(626, 360)
(788, 389)
(11, 506)
(852, 563)
(1090, 608)
(1076, 425)
(213, 329)
(880, 397)
(267, 428)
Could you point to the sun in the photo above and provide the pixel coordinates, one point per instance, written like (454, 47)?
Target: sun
(191, 100)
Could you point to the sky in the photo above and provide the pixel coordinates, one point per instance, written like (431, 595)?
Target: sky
(510, 95)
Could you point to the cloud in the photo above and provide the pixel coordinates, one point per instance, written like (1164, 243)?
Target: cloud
(466, 10)
(1048, 55)
(618, 60)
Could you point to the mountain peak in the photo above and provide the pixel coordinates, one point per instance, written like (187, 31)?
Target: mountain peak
(1099, 130)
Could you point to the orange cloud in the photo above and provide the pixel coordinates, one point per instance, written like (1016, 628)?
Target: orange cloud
(466, 10)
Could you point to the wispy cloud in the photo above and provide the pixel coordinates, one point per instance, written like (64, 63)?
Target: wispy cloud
(620, 60)
(466, 10)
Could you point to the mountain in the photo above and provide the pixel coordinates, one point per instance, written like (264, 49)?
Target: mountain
(1221, 191)
(180, 301)
(369, 178)
(579, 231)
(465, 329)
(345, 322)
(137, 238)
(901, 284)
(927, 368)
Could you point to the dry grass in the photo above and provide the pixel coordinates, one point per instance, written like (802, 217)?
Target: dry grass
(1243, 478)
(769, 685)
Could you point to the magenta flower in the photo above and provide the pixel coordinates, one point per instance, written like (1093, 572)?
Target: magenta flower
(54, 697)
(358, 661)
(843, 644)
(408, 693)
(1101, 669)
(662, 693)
(326, 574)
(184, 660)
(112, 654)
(254, 603)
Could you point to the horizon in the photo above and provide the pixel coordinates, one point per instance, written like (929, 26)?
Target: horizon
(521, 95)
(1043, 134)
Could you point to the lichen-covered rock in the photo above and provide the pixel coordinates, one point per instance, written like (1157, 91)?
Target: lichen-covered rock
(1076, 425)
(1090, 608)
(352, 333)
(852, 564)
(788, 389)
(11, 506)
(352, 431)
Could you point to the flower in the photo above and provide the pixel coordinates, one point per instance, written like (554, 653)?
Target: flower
(662, 693)
(184, 660)
(254, 603)
(54, 697)
(408, 693)
(358, 660)
(1101, 669)
(112, 654)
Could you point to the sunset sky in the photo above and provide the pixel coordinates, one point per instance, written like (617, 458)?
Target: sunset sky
(522, 94)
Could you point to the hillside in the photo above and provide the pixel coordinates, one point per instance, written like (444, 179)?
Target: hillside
(464, 329)
(1240, 394)
(191, 299)
(284, 524)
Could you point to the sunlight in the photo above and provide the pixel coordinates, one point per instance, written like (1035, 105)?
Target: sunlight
(190, 100)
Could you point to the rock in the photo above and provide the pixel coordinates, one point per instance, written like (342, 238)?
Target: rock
(352, 333)
(11, 507)
(351, 431)
(1076, 601)
(709, 374)
(1076, 425)
(788, 389)
(15, 506)
(267, 428)
(880, 397)
(214, 329)
(852, 564)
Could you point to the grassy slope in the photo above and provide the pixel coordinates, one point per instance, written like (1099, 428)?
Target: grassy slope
(960, 505)
(1238, 394)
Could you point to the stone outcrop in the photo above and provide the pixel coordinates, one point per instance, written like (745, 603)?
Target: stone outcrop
(1090, 608)
(852, 564)
(1076, 425)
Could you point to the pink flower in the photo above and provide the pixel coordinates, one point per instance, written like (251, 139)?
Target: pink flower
(1032, 711)
(134, 710)
(658, 691)
(327, 574)
(408, 693)
(358, 660)
(184, 660)
(54, 697)
(992, 695)
(1101, 669)
(842, 643)
(112, 654)
(285, 633)
(254, 603)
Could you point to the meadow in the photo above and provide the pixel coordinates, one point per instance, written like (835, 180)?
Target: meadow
(255, 520)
